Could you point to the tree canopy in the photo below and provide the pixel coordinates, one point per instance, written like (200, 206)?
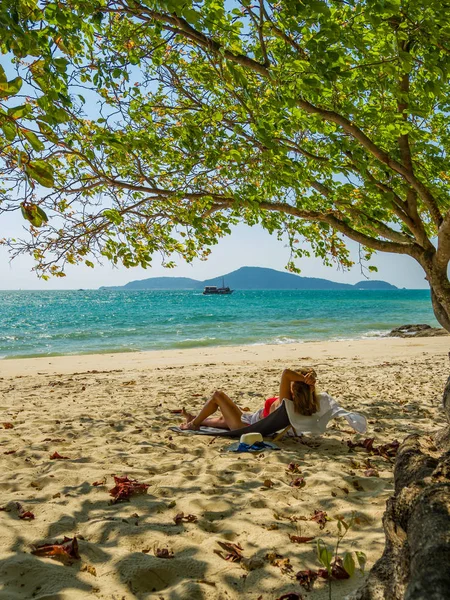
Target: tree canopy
(162, 123)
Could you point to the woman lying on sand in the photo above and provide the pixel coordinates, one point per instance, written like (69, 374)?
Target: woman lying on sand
(298, 386)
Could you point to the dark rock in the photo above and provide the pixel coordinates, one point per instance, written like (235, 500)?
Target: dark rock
(422, 330)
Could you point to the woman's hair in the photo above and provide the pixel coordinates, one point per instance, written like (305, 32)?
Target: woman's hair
(305, 398)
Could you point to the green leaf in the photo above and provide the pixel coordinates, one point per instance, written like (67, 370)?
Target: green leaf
(362, 559)
(47, 131)
(34, 214)
(42, 172)
(10, 88)
(324, 555)
(33, 139)
(16, 112)
(10, 131)
(113, 215)
(349, 563)
(3, 78)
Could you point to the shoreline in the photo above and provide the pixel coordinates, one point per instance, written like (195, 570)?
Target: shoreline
(289, 353)
(377, 334)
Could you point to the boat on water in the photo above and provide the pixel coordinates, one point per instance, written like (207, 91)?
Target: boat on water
(221, 291)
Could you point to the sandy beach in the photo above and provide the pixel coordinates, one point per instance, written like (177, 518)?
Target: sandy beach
(109, 415)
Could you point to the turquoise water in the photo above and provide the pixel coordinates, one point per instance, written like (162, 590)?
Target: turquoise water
(76, 322)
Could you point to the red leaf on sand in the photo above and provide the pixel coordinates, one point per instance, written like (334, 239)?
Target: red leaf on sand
(57, 456)
(176, 411)
(277, 560)
(337, 571)
(101, 482)
(8, 425)
(307, 578)
(320, 517)
(125, 488)
(298, 539)
(164, 553)
(371, 473)
(182, 518)
(268, 483)
(233, 551)
(65, 550)
(388, 450)
(298, 483)
(24, 514)
(293, 467)
(10, 452)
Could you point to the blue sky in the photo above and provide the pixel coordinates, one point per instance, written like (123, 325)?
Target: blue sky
(245, 247)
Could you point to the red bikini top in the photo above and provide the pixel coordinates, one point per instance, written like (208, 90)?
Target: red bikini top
(267, 405)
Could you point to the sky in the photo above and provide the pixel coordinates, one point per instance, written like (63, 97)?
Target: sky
(246, 246)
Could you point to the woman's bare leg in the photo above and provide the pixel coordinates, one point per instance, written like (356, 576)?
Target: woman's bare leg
(231, 413)
(209, 422)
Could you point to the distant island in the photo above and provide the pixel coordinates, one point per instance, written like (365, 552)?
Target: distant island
(252, 278)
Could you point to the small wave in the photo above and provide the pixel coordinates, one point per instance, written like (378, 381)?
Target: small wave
(376, 333)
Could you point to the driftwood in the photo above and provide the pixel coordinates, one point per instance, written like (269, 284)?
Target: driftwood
(415, 564)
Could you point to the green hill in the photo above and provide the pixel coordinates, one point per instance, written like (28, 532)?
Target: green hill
(252, 278)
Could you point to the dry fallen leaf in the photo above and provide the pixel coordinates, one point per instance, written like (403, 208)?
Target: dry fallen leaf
(125, 488)
(337, 570)
(164, 553)
(277, 560)
(67, 550)
(293, 467)
(268, 483)
(57, 456)
(320, 517)
(371, 473)
(299, 482)
(387, 451)
(89, 569)
(298, 539)
(101, 482)
(234, 551)
(10, 452)
(8, 425)
(307, 578)
(182, 518)
(24, 514)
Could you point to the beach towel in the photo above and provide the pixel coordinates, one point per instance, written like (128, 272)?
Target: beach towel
(274, 422)
(285, 416)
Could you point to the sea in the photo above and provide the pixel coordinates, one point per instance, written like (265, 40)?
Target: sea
(52, 323)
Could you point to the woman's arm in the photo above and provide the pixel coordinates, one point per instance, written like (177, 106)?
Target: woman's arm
(288, 376)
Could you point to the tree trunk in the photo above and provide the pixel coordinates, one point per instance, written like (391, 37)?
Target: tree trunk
(439, 283)
(439, 311)
(415, 564)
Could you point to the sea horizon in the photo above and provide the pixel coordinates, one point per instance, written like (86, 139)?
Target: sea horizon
(56, 323)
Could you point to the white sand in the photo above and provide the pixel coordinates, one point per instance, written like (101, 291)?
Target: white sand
(114, 421)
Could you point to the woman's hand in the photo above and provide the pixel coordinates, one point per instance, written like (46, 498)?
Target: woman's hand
(310, 378)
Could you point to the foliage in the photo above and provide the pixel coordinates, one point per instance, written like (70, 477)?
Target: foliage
(337, 567)
(318, 120)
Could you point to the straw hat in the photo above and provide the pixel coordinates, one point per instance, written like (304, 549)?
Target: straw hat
(251, 438)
